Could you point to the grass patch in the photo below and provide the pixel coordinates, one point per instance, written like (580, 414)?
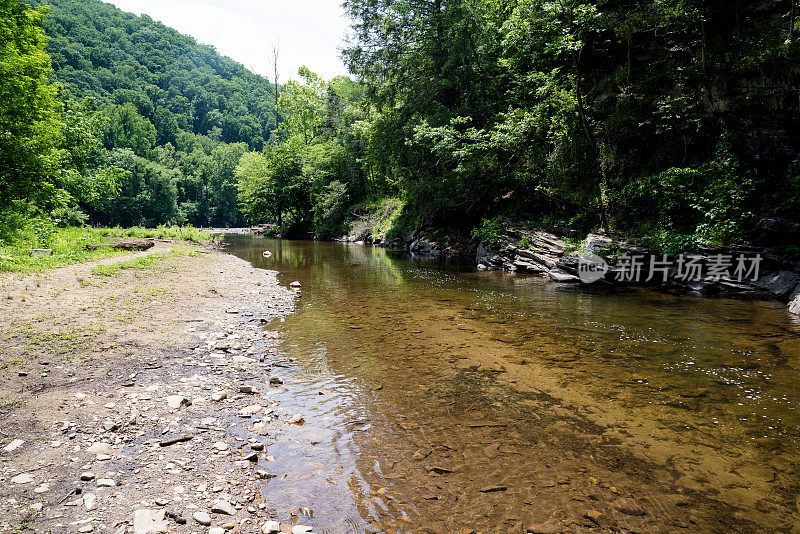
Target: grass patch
(171, 233)
(69, 244)
(140, 263)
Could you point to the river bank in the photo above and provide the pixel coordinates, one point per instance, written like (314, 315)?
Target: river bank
(135, 395)
(747, 270)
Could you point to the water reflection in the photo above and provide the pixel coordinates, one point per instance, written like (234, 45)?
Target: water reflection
(699, 394)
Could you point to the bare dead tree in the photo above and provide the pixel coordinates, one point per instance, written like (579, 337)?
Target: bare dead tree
(276, 78)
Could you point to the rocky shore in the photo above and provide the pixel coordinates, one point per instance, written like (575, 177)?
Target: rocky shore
(136, 397)
(748, 271)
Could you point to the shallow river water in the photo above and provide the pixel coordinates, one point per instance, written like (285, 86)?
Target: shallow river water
(439, 399)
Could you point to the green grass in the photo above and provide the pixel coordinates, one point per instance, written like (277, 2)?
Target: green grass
(175, 233)
(143, 262)
(68, 244)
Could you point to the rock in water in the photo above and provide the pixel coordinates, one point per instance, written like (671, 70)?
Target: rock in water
(149, 522)
(295, 284)
(794, 305)
(628, 506)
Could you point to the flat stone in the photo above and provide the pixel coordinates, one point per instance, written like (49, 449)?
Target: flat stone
(301, 529)
(22, 478)
(149, 522)
(223, 507)
(106, 483)
(14, 445)
(216, 530)
(178, 401)
(238, 358)
(270, 527)
(86, 528)
(218, 396)
(100, 448)
(220, 446)
(275, 380)
(247, 389)
(250, 411)
(87, 476)
(89, 501)
(41, 488)
(202, 517)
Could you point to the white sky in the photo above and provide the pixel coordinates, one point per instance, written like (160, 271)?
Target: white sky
(310, 32)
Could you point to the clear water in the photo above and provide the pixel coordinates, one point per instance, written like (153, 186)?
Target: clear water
(443, 398)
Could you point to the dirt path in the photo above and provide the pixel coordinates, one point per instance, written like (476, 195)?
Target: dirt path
(127, 389)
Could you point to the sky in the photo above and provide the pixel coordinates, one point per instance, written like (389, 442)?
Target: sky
(310, 32)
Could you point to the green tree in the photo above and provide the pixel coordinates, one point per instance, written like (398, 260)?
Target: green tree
(29, 125)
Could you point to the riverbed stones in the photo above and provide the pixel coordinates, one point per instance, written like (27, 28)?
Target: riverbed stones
(218, 396)
(14, 445)
(249, 411)
(176, 402)
(270, 527)
(89, 501)
(223, 507)
(150, 522)
(100, 448)
(275, 380)
(202, 517)
(22, 478)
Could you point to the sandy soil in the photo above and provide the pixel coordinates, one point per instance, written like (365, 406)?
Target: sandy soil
(111, 385)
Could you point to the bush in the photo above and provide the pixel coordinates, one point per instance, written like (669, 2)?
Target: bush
(489, 231)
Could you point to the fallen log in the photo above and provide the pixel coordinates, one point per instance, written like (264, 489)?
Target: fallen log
(125, 244)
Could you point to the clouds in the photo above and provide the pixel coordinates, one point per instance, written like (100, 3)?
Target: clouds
(310, 32)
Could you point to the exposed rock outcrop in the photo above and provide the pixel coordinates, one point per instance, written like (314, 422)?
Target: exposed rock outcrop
(602, 259)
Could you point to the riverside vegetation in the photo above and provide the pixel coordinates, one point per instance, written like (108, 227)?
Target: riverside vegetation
(674, 123)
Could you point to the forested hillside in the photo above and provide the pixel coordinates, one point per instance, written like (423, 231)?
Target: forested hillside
(135, 124)
(114, 57)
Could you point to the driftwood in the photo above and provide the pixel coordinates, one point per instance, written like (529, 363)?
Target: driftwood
(125, 244)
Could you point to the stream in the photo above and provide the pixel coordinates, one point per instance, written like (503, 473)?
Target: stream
(440, 399)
